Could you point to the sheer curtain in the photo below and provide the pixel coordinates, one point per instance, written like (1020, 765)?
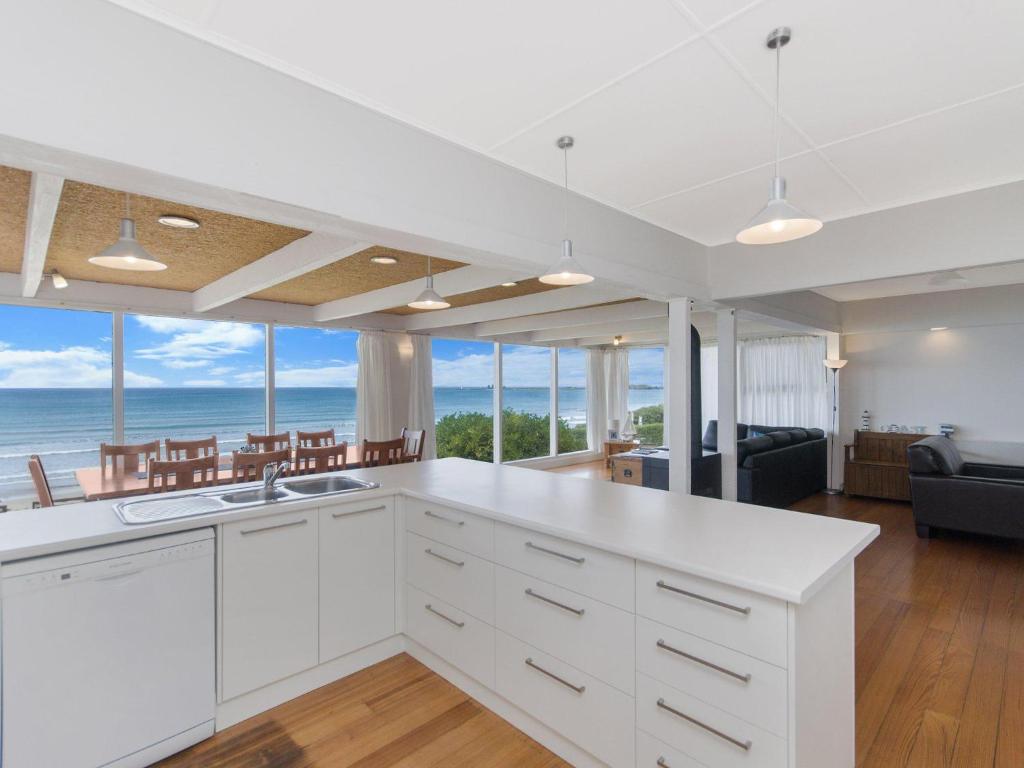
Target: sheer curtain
(782, 382)
(597, 400)
(421, 393)
(617, 371)
(374, 417)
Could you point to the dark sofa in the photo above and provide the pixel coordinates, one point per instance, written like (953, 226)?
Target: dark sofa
(776, 466)
(948, 492)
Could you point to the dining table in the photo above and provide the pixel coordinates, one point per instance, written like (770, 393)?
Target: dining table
(112, 482)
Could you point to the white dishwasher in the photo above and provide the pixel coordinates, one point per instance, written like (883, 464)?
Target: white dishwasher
(108, 653)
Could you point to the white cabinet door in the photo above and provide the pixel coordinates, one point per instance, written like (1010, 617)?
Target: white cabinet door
(357, 576)
(268, 598)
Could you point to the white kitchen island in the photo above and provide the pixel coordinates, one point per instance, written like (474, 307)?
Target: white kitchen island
(617, 625)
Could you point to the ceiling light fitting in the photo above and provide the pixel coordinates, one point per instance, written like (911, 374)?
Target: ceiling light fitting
(178, 221)
(127, 252)
(59, 281)
(948, 278)
(384, 260)
(429, 298)
(566, 271)
(508, 285)
(939, 328)
(616, 341)
(778, 221)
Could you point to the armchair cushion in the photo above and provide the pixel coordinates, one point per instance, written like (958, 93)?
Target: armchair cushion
(935, 455)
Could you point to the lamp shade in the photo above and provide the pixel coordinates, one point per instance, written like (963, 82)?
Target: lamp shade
(779, 221)
(835, 365)
(566, 271)
(127, 253)
(429, 298)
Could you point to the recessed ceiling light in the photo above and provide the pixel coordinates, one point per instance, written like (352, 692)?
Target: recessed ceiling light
(383, 259)
(509, 285)
(939, 328)
(178, 222)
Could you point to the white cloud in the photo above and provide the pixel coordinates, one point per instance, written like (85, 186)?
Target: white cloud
(526, 366)
(140, 380)
(474, 370)
(193, 343)
(647, 366)
(204, 383)
(71, 367)
(180, 364)
(326, 376)
(220, 370)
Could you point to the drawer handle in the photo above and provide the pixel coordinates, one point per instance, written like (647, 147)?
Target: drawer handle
(553, 676)
(662, 763)
(570, 558)
(436, 516)
(666, 647)
(563, 606)
(459, 624)
(336, 515)
(744, 745)
(458, 563)
(251, 531)
(695, 596)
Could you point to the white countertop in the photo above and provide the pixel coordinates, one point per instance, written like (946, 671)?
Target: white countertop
(788, 555)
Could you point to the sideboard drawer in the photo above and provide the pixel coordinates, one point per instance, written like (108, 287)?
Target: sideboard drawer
(654, 753)
(750, 623)
(591, 635)
(456, 577)
(593, 572)
(455, 636)
(595, 716)
(458, 529)
(751, 689)
(706, 733)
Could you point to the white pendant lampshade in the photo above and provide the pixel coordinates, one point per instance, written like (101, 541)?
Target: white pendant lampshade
(127, 252)
(429, 298)
(566, 271)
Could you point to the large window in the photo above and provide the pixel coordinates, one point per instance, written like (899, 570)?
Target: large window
(526, 402)
(464, 398)
(572, 400)
(315, 380)
(647, 393)
(55, 395)
(188, 379)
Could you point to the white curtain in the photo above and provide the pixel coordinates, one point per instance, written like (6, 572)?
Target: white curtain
(374, 417)
(617, 374)
(597, 400)
(782, 382)
(421, 393)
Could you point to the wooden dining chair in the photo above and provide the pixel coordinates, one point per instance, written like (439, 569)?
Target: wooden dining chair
(311, 460)
(199, 472)
(246, 467)
(314, 439)
(134, 458)
(42, 485)
(412, 444)
(270, 443)
(383, 452)
(179, 450)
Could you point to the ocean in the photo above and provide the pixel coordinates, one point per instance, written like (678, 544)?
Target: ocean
(66, 426)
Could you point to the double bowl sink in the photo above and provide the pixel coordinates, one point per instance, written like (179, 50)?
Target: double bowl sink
(151, 510)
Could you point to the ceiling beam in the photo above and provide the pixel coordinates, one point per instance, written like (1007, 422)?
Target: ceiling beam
(633, 310)
(300, 256)
(43, 199)
(450, 283)
(621, 327)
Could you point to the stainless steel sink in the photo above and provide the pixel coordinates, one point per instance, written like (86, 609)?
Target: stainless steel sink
(251, 496)
(319, 485)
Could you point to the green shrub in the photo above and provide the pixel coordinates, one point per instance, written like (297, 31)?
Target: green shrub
(468, 435)
(651, 414)
(651, 434)
(525, 435)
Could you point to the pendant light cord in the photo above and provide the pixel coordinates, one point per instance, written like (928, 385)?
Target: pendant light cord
(778, 96)
(565, 206)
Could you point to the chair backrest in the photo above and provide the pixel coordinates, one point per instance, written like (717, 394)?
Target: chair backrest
(179, 450)
(268, 443)
(315, 439)
(187, 473)
(134, 458)
(324, 458)
(249, 466)
(413, 440)
(35, 469)
(381, 453)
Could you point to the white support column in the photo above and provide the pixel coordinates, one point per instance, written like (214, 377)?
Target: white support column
(269, 380)
(727, 400)
(678, 398)
(666, 386)
(497, 402)
(553, 421)
(117, 369)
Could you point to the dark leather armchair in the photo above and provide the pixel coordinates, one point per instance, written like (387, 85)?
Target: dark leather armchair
(948, 492)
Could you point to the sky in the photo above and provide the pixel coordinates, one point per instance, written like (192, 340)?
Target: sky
(58, 348)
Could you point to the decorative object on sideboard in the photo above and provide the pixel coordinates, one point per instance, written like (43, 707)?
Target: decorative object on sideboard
(947, 430)
(613, 429)
(833, 365)
(865, 421)
(628, 431)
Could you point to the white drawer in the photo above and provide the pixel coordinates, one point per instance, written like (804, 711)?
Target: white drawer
(586, 633)
(461, 530)
(653, 753)
(601, 575)
(456, 577)
(750, 623)
(595, 716)
(706, 733)
(749, 688)
(454, 635)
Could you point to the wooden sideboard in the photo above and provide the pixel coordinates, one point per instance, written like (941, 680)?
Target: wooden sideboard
(876, 465)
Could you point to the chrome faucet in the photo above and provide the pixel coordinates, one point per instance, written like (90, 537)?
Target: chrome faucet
(271, 472)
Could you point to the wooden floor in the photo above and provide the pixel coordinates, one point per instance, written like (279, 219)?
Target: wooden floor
(940, 673)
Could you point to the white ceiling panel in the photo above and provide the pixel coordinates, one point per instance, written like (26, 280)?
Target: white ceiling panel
(711, 12)
(974, 145)
(977, 277)
(685, 120)
(714, 213)
(856, 66)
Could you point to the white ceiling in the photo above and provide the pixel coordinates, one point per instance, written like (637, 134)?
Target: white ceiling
(976, 277)
(885, 103)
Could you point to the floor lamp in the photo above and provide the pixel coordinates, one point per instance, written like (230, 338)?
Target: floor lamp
(834, 366)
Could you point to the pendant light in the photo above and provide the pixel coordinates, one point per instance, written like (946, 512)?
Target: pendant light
(566, 271)
(429, 298)
(778, 221)
(127, 252)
